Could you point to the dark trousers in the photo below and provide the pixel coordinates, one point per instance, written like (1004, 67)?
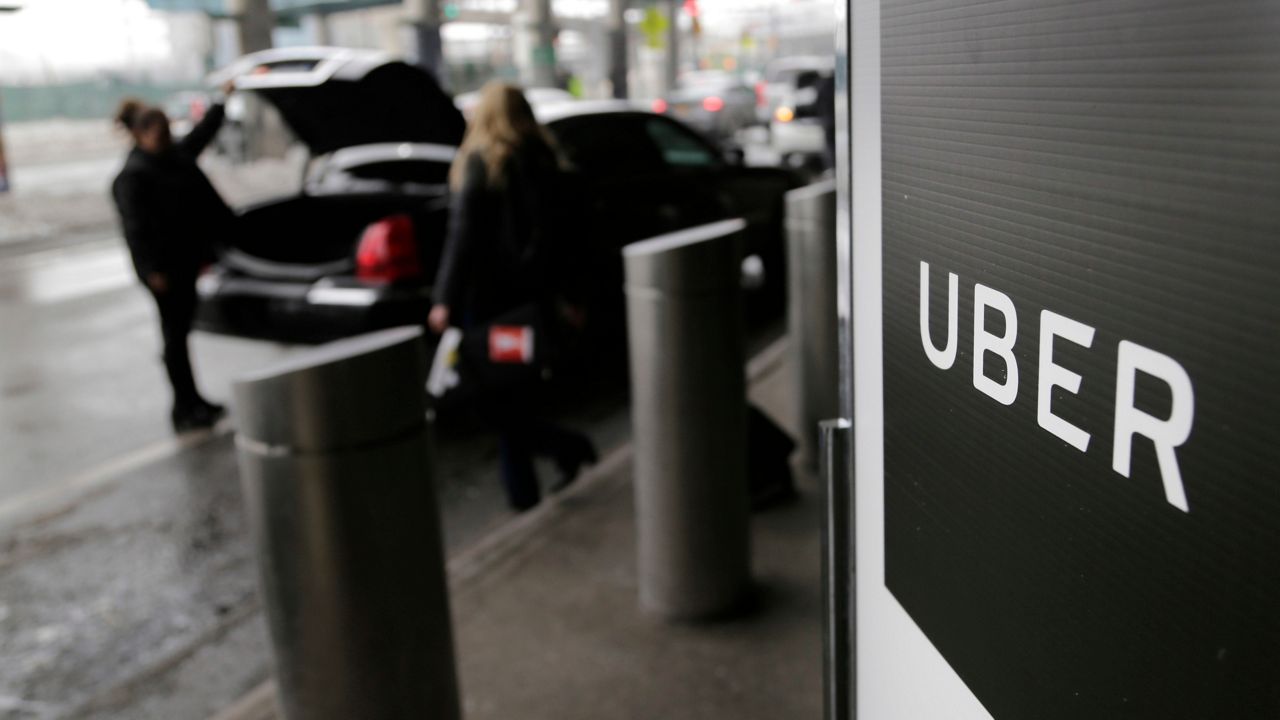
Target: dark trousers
(177, 307)
(523, 437)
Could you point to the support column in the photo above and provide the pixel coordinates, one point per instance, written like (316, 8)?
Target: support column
(316, 26)
(536, 55)
(254, 21)
(426, 47)
(672, 69)
(618, 50)
(4, 167)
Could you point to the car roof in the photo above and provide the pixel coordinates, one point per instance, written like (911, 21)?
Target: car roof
(821, 63)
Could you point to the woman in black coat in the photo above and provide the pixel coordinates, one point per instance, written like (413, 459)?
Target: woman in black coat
(171, 216)
(504, 252)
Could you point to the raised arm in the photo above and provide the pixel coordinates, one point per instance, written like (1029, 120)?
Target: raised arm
(203, 133)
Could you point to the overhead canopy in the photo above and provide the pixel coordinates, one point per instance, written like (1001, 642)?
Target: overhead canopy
(282, 7)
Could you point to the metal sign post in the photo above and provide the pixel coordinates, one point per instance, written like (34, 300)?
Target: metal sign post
(4, 165)
(1058, 225)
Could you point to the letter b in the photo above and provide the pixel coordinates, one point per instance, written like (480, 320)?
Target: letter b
(984, 342)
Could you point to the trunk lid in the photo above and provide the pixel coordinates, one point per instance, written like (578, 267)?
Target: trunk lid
(335, 98)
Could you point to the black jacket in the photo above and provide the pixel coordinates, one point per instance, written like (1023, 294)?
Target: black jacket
(170, 213)
(506, 246)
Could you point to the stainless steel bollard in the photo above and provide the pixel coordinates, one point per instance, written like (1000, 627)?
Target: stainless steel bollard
(335, 462)
(811, 309)
(685, 328)
(838, 582)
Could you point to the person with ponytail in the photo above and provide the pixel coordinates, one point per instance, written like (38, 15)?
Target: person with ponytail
(171, 217)
(507, 247)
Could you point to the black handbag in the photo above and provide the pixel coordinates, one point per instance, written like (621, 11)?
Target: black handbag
(511, 352)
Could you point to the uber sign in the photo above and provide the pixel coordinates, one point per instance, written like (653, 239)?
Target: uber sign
(1081, 248)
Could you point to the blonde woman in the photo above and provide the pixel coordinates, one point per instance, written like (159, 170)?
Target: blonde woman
(501, 254)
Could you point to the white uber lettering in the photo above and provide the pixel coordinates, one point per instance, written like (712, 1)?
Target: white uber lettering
(1168, 434)
(984, 342)
(945, 357)
(1053, 375)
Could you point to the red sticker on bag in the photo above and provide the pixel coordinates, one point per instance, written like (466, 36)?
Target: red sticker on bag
(511, 344)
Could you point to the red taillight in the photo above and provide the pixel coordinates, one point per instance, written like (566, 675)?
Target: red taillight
(659, 106)
(760, 99)
(388, 251)
(712, 104)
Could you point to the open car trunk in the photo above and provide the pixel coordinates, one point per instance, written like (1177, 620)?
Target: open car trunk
(308, 236)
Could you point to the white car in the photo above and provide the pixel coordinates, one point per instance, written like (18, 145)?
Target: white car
(790, 94)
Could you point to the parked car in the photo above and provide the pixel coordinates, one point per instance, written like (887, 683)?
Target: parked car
(715, 103)
(644, 174)
(354, 249)
(358, 249)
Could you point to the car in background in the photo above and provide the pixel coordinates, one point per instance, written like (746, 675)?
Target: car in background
(783, 76)
(358, 249)
(796, 132)
(718, 104)
(354, 250)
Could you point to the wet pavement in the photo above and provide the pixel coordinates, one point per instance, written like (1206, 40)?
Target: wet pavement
(127, 588)
(126, 585)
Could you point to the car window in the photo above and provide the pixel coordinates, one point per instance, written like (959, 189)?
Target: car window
(678, 147)
(608, 145)
(808, 79)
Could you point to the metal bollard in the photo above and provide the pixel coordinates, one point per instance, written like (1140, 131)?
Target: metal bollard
(335, 462)
(811, 309)
(684, 315)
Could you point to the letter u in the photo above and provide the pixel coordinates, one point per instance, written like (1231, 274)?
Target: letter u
(945, 357)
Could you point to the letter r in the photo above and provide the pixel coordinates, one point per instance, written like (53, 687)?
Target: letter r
(1168, 434)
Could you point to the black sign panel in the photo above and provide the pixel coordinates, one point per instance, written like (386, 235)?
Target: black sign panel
(1082, 350)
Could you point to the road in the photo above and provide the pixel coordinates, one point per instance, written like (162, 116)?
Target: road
(127, 589)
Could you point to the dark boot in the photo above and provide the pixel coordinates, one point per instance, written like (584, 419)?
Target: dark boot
(574, 450)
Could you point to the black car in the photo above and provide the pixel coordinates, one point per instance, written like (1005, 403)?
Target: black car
(358, 249)
(354, 250)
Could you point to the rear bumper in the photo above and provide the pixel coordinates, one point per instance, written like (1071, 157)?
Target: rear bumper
(304, 312)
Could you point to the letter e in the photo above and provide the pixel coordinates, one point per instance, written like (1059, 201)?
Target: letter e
(1054, 325)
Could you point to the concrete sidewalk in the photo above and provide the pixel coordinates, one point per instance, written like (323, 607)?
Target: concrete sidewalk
(547, 624)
